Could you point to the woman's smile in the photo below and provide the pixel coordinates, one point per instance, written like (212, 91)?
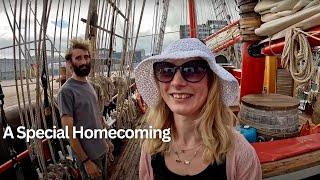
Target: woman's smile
(181, 95)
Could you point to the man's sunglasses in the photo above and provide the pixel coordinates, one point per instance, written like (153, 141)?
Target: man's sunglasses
(191, 71)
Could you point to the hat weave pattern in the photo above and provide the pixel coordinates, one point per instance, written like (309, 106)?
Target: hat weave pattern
(183, 49)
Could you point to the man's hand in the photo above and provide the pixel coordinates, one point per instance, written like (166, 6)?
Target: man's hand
(92, 169)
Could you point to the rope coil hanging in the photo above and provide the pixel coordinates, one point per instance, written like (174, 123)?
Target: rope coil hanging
(297, 56)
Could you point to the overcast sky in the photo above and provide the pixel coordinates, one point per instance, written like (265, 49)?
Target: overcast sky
(177, 16)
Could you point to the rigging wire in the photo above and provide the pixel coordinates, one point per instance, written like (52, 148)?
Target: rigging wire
(20, 67)
(99, 33)
(55, 121)
(78, 18)
(69, 23)
(74, 10)
(60, 38)
(28, 59)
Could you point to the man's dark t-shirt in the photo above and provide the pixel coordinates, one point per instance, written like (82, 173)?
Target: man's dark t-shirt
(79, 100)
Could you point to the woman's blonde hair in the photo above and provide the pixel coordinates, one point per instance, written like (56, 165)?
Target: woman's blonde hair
(214, 125)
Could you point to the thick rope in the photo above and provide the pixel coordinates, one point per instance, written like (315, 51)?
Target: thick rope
(297, 56)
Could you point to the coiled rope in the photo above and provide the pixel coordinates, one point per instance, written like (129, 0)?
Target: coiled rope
(297, 56)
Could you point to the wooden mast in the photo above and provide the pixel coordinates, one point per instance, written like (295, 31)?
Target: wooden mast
(91, 32)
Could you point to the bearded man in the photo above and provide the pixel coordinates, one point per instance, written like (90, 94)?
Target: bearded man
(78, 106)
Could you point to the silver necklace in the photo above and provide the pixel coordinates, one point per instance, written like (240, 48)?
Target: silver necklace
(185, 161)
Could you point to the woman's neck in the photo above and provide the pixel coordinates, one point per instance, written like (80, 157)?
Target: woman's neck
(187, 135)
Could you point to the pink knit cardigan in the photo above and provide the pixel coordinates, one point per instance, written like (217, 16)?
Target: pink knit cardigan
(241, 162)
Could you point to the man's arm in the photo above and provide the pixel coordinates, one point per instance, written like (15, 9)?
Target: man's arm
(74, 142)
(91, 168)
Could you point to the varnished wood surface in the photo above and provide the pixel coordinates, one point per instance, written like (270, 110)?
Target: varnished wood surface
(289, 165)
(270, 102)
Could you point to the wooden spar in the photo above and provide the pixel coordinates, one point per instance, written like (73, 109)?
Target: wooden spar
(101, 28)
(227, 44)
(113, 4)
(193, 19)
(222, 30)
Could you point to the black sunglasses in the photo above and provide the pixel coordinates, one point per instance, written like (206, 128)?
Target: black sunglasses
(191, 71)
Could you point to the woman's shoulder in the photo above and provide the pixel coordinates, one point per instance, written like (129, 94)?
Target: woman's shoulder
(242, 150)
(241, 142)
(145, 167)
(242, 160)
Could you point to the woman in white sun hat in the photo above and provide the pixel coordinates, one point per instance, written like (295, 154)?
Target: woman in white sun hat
(188, 92)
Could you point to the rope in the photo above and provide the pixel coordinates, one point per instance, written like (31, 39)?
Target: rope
(154, 26)
(99, 40)
(74, 9)
(107, 34)
(38, 143)
(140, 19)
(69, 23)
(50, 109)
(316, 113)
(55, 24)
(27, 70)
(78, 19)
(46, 108)
(112, 37)
(317, 77)
(121, 86)
(100, 24)
(61, 20)
(26, 119)
(15, 61)
(297, 56)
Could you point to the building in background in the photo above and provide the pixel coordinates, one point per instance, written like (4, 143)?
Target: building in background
(203, 30)
(103, 53)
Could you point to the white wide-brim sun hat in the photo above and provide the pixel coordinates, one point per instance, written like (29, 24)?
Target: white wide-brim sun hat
(182, 49)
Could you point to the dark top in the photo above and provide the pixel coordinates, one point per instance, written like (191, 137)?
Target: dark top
(161, 172)
(79, 100)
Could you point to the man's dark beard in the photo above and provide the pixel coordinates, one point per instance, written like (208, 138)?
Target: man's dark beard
(82, 70)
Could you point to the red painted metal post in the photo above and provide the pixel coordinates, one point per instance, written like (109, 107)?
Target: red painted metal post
(193, 19)
(25, 154)
(252, 72)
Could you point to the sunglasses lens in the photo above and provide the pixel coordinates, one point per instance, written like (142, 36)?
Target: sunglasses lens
(194, 71)
(164, 71)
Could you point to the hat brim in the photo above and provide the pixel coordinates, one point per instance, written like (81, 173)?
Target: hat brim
(148, 88)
